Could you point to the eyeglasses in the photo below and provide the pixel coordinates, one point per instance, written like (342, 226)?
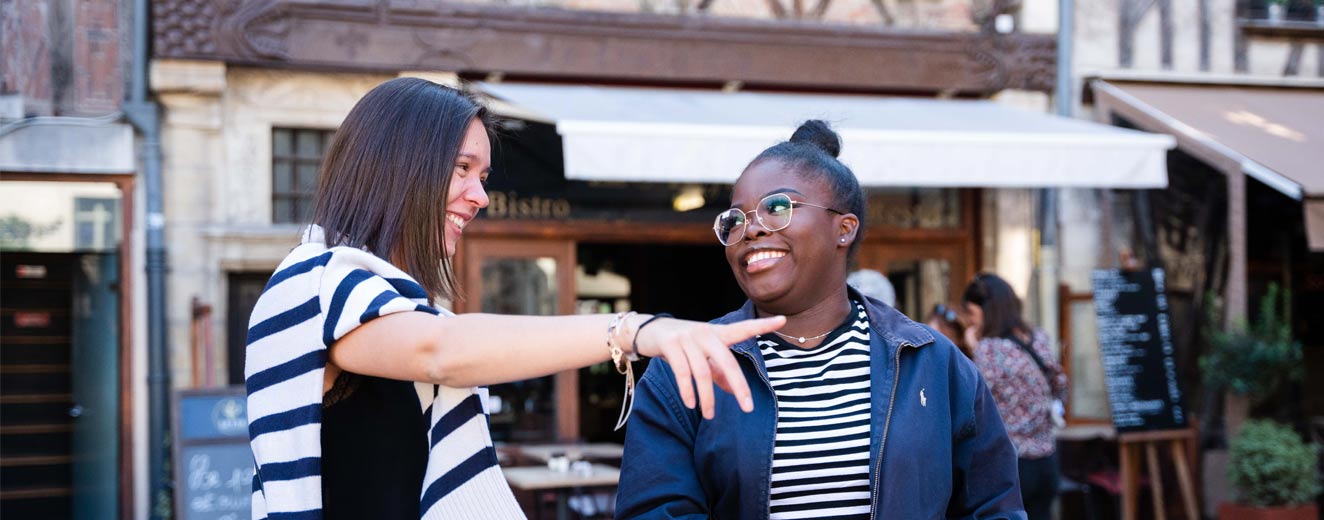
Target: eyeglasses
(773, 213)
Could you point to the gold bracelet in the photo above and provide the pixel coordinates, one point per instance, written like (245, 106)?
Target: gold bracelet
(618, 356)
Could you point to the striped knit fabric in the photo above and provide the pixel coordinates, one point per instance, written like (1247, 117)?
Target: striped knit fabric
(820, 458)
(316, 296)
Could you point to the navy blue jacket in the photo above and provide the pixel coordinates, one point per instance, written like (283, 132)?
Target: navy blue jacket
(938, 448)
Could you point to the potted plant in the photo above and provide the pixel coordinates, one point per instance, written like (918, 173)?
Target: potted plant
(1273, 472)
(1319, 12)
(1252, 363)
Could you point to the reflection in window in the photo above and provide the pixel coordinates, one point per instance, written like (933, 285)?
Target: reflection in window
(910, 208)
(521, 411)
(919, 285)
(96, 223)
(60, 216)
(1089, 390)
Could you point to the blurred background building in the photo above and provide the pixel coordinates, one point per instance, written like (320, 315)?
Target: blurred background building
(626, 121)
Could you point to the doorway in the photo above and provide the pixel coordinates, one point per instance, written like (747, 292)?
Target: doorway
(63, 352)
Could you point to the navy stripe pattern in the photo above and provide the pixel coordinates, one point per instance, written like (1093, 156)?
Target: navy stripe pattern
(820, 459)
(316, 297)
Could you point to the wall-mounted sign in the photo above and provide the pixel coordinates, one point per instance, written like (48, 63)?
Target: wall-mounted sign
(32, 320)
(509, 205)
(30, 272)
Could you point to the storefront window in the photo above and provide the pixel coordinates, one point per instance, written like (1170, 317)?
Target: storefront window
(920, 284)
(522, 411)
(915, 208)
(60, 217)
(1089, 391)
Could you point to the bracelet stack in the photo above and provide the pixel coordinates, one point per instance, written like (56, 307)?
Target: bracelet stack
(620, 323)
(614, 329)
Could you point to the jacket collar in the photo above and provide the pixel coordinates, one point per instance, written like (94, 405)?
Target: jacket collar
(890, 325)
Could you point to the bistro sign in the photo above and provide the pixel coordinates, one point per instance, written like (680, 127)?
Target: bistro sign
(509, 205)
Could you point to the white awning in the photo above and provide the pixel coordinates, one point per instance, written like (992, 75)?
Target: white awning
(695, 136)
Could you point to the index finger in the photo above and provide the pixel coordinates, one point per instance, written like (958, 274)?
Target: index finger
(726, 370)
(733, 333)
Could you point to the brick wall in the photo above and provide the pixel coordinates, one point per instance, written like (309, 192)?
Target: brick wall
(64, 57)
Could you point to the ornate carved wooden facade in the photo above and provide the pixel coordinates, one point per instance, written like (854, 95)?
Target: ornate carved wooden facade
(586, 46)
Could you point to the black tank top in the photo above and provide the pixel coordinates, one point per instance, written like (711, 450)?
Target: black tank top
(374, 449)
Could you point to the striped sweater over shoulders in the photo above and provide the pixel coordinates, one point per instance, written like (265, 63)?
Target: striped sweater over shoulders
(820, 459)
(317, 296)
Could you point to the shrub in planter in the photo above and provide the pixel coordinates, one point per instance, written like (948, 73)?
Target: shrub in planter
(1273, 472)
(1255, 361)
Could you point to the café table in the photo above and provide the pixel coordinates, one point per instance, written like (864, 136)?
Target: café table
(541, 478)
(599, 451)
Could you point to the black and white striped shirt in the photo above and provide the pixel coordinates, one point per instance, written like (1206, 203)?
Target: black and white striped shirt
(317, 296)
(820, 461)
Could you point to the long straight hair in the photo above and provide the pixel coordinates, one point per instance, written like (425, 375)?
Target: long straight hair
(1001, 306)
(386, 177)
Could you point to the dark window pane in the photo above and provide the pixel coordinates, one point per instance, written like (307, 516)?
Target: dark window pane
(310, 144)
(281, 142)
(282, 176)
(307, 178)
(282, 210)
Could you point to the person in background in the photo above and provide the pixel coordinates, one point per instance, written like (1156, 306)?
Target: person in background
(859, 411)
(365, 397)
(947, 321)
(1023, 372)
(873, 284)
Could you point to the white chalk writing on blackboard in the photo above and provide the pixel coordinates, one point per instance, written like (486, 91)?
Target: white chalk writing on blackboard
(213, 491)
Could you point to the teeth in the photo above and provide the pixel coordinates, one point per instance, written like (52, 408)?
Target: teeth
(459, 222)
(763, 255)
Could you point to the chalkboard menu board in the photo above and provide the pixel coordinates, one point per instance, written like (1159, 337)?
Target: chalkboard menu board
(213, 464)
(1135, 341)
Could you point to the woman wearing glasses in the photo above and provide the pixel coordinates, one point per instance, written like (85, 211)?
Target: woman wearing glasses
(365, 397)
(858, 411)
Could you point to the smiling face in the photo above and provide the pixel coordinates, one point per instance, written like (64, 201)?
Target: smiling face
(466, 194)
(797, 267)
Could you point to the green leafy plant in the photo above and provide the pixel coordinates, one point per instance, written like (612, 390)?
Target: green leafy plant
(1270, 466)
(1254, 361)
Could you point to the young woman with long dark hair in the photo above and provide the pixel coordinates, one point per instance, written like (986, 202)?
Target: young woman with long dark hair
(1023, 372)
(364, 395)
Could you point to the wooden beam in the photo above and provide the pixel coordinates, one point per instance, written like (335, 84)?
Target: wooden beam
(1235, 296)
(600, 47)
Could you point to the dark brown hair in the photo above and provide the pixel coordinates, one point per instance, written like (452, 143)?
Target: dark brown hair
(1002, 309)
(386, 177)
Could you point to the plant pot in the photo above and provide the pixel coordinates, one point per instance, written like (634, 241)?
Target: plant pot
(1319, 14)
(1228, 511)
(1275, 13)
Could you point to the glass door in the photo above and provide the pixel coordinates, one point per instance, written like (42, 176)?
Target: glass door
(529, 277)
(922, 274)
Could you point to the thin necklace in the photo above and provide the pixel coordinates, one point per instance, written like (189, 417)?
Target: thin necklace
(802, 339)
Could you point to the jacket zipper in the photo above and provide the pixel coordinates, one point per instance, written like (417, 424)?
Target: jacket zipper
(775, 419)
(887, 424)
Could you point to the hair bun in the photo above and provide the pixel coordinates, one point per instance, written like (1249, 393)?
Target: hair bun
(816, 133)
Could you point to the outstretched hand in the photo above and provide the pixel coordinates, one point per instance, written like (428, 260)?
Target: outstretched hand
(700, 355)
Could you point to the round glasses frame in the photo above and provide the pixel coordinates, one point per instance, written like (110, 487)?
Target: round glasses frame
(738, 230)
